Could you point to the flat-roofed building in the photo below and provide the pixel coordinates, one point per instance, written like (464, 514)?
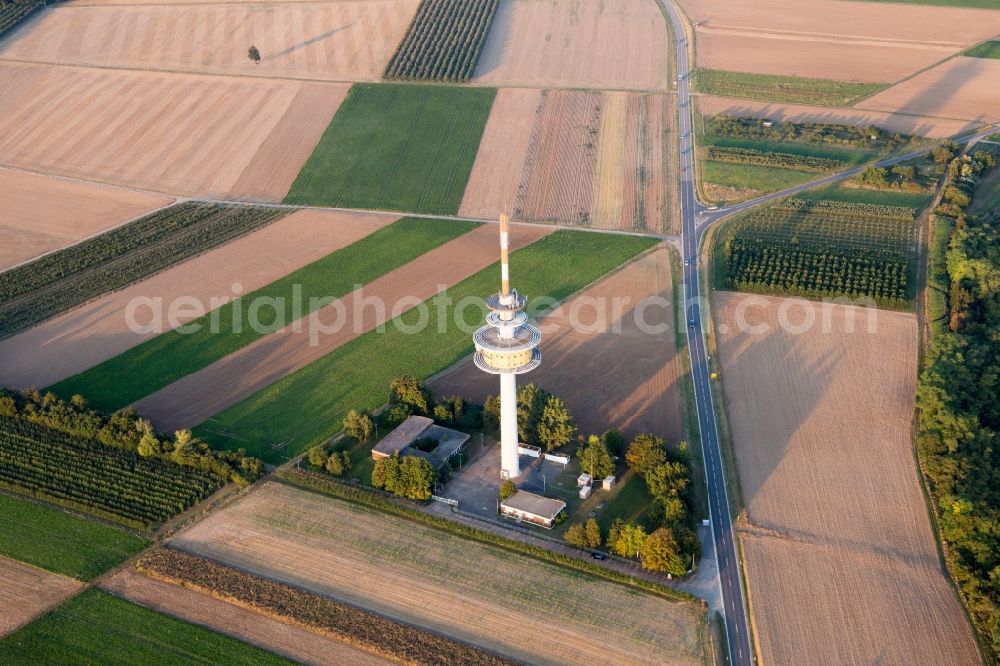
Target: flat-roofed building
(418, 436)
(532, 508)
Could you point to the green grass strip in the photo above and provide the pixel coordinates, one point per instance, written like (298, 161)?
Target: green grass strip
(763, 179)
(98, 629)
(775, 88)
(307, 407)
(166, 358)
(397, 147)
(838, 192)
(61, 542)
(990, 49)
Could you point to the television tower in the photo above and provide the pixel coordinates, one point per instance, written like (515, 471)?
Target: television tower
(507, 346)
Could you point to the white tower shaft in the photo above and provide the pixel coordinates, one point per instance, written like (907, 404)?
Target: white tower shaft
(510, 465)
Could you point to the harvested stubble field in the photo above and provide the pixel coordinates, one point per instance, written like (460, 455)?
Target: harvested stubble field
(637, 370)
(623, 45)
(177, 133)
(581, 158)
(266, 632)
(934, 128)
(964, 88)
(41, 214)
(346, 40)
(99, 330)
(830, 487)
(416, 574)
(26, 592)
(830, 39)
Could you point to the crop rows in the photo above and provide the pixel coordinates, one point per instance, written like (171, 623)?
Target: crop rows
(85, 475)
(772, 159)
(61, 280)
(777, 88)
(352, 625)
(15, 11)
(444, 41)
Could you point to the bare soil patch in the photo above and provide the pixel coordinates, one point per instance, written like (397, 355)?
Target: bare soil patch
(83, 337)
(821, 429)
(177, 133)
(27, 592)
(622, 45)
(416, 574)
(202, 394)
(579, 158)
(609, 371)
(963, 88)
(935, 128)
(830, 39)
(42, 214)
(346, 40)
(246, 625)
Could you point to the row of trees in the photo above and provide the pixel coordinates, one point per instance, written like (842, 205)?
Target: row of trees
(753, 157)
(754, 128)
(959, 424)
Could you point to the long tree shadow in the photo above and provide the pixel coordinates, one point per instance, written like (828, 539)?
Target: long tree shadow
(312, 40)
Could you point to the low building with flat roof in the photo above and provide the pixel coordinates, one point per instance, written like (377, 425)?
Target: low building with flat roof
(410, 436)
(532, 508)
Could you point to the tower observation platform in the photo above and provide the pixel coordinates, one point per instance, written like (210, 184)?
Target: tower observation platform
(507, 346)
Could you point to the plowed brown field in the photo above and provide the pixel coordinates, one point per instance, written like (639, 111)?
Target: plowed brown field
(621, 45)
(203, 394)
(26, 592)
(468, 590)
(579, 158)
(266, 632)
(830, 39)
(177, 133)
(41, 214)
(346, 40)
(97, 331)
(610, 372)
(821, 431)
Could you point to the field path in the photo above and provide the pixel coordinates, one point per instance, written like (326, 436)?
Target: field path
(201, 395)
(257, 629)
(26, 592)
(94, 332)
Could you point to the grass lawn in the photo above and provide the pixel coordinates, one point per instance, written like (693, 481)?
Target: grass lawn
(397, 147)
(838, 192)
(306, 407)
(849, 156)
(791, 89)
(61, 542)
(166, 358)
(990, 49)
(99, 629)
(988, 194)
(751, 177)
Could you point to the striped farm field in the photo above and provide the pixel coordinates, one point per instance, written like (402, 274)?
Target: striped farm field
(575, 158)
(172, 355)
(397, 147)
(306, 407)
(203, 136)
(342, 40)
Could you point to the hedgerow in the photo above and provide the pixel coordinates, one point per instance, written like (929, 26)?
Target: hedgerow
(772, 159)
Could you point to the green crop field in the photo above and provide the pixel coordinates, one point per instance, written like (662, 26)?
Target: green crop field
(791, 89)
(96, 628)
(57, 541)
(989, 49)
(444, 41)
(749, 177)
(306, 407)
(121, 380)
(397, 147)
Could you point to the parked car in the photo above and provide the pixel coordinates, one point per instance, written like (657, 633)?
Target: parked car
(599, 556)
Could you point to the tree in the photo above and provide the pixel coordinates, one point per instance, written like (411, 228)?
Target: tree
(78, 401)
(416, 476)
(944, 152)
(645, 452)
(595, 459)
(874, 177)
(398, 413)
(359, 425)
(149, 446)
(667, 480)
(530, 406)
(410, 391)
(615, 442)
(253, 54)
(318, 456)
(491, 412)
(385, 475)
(626, 539)
(442, 414)
(592, 533)
(575, 536)
(556, 427)
(660, 552)
(507, 490)
(905, 172)
(338, 463)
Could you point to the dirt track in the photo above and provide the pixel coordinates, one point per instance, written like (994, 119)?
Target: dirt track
(42, 214)
(97, 331)
(625, 380)
(461, 588)
(199, 396)
(265, 632)
(346, 40)
(821, 427)
(26, 592)
(621, 45)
